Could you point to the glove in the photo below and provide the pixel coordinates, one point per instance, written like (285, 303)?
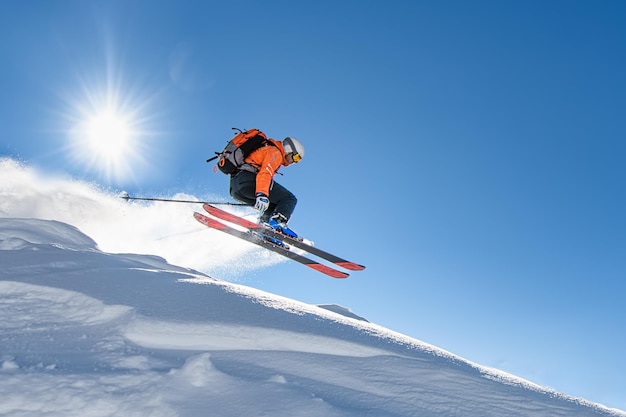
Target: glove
(262, 202)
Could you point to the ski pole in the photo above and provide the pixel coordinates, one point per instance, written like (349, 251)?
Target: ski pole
(125, 196)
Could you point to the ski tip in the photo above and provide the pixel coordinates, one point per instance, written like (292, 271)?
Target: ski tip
(328, 270)
(351, 266)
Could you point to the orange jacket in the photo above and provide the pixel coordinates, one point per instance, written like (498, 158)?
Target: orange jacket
(267, 160)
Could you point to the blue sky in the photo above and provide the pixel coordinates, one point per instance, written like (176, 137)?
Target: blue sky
(471, 154)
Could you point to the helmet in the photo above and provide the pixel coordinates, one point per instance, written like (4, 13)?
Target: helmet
(293, 145)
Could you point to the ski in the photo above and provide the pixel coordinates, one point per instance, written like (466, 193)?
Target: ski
(260, 241)
(313, 250)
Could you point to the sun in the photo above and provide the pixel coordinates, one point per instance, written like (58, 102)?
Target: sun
(107, 140)
(109, 136)
(109, 131)
(111, 118)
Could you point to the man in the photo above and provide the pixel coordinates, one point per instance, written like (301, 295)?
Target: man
(254, 185)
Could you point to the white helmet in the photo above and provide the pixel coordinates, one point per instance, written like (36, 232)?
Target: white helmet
(293, 145)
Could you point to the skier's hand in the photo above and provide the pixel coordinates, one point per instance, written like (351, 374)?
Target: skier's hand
(262, 202)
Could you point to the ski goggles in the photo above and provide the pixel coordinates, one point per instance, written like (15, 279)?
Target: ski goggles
(296, 157)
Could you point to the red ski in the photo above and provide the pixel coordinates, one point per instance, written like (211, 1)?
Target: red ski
(313, 250)
(259, 240)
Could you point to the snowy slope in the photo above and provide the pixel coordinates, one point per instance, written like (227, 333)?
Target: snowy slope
(89, 333)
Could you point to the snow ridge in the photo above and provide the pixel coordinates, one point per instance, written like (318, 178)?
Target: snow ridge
(89, 333)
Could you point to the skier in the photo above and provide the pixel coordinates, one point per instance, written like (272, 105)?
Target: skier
(258, 189)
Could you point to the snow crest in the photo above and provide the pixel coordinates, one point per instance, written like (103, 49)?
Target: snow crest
(89, 333)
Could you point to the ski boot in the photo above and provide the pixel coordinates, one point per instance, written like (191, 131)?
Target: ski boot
(278, 222)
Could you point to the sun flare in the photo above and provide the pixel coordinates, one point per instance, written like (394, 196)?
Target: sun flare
(110, 122)
(106, 141)
(108, 134)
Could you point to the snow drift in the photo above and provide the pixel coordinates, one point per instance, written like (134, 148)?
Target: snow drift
(119, 226)
(84, 332)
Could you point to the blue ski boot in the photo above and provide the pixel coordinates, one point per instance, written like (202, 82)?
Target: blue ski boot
(278, 222)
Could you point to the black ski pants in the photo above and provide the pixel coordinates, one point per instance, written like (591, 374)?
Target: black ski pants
(243, 188)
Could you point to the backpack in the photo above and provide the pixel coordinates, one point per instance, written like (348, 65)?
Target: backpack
(232, 158)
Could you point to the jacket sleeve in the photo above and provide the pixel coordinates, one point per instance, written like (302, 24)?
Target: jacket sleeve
(271, 160)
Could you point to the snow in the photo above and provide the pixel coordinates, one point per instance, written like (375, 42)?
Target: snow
(85, 332)
(120, 226)
(98, 323)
